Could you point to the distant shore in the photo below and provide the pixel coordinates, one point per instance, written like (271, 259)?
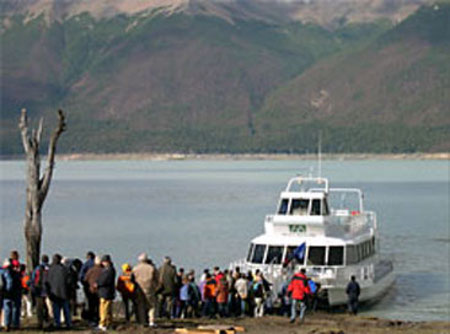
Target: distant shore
(241, 156)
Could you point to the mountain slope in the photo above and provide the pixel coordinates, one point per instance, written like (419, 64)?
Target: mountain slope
(393, 93)
(226, 78)
(158, 82)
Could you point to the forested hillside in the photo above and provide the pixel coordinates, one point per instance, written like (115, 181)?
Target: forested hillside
(196, 82)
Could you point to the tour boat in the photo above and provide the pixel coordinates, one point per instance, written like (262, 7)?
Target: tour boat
(327, 232)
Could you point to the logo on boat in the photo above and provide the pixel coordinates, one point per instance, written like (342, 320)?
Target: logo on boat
(297, 228)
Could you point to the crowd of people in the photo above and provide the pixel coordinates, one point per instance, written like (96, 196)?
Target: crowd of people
(146, 292)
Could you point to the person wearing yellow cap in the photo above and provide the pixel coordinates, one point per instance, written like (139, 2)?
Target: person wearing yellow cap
(127, 287)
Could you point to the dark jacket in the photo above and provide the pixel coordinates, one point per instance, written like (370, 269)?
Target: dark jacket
(57, 282)
(106, 283)
(12, 285)
(168, 279)
(353, 290)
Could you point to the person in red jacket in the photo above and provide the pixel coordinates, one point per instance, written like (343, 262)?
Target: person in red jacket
(299, 289)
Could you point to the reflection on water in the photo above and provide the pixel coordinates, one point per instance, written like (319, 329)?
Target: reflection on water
(204, 213)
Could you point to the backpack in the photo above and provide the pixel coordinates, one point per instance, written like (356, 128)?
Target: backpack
(258, 290)
(37, 283)
(312, 286)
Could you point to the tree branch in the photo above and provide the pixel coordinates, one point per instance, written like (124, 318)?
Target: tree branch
(23, 126)
(60, 128)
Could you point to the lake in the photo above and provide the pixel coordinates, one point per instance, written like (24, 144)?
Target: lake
(204, 213)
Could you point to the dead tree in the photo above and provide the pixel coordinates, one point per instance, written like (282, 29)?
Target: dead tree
(37, 184)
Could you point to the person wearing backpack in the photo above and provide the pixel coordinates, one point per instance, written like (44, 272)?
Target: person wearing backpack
(127, 289)
(39, 292)
(299, 289)
(12, 296)
(258, 295)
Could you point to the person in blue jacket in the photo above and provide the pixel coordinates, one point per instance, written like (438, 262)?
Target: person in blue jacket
(12, 296)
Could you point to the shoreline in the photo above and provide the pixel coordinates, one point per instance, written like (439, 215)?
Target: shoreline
(317, 323)
(240, 156)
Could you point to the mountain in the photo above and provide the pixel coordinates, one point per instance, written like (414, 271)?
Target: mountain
(394, 92)
(228, 76)
(323, 12)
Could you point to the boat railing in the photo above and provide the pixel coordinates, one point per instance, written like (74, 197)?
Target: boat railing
(350, 224)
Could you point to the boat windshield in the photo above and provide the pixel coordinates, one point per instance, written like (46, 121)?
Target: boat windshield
(283, 206)
(290, 255)
(274, 255)
(258, 253)
(299, 207)
(316, 255)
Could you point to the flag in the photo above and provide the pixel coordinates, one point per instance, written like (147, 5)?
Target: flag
(299, 252)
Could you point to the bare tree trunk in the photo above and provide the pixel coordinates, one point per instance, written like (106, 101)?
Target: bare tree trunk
(37, 185)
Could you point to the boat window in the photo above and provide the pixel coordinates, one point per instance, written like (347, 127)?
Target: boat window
(316, 256)
(290, 255)
(274, 255)
(336, 256)
(283, 206)
(325, 209)
(258, 253)
(250, 251)
(352, 256)
(315, 207)
(299, 207)
(360, 252)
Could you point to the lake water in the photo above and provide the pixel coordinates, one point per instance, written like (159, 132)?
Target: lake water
(204, 213)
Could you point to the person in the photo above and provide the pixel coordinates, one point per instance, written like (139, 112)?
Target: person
(12, 296)
(353, 290)
(179, 284)
(298, 288)
(218, 275)
(88, 264)
(57, 285)
(222, 297)
(209, 295)
(74, 267)
(194, 297)
(27, 299)
(258, 295)
(93, 301)
(182, 307)
(314, 288)
(241, 286)
(127, 289)
(106, 288)
(233, 307)
(39, 292)
(146, 277)
(167, 287)
(15, 260)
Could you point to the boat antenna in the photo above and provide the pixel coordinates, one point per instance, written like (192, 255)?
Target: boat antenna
(319, 155)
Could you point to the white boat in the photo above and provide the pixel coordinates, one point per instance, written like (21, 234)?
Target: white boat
(338, 242)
